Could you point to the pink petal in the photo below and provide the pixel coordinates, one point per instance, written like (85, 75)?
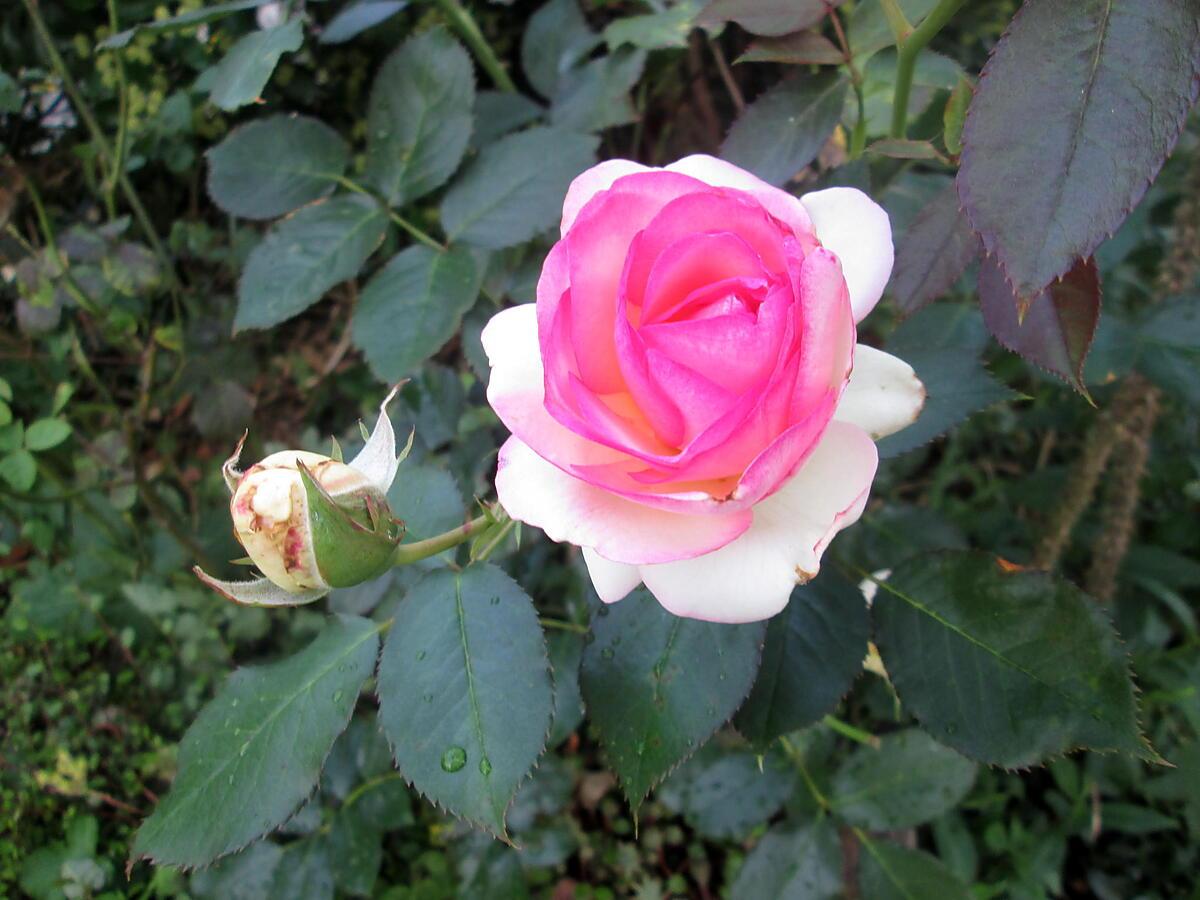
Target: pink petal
(598, 178)
(752, 577)
(597, 246)
(857, 229)
(536, 492)
(778, 203)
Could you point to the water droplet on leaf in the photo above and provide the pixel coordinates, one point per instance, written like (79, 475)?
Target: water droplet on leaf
(454, 759)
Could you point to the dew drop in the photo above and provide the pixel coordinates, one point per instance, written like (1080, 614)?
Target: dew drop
(454, 759)
(603, 611)
(495, 602)
(338, 695)
(607, 653)
(428, 698)
(420, 655)
(485, 766)
(245, 747)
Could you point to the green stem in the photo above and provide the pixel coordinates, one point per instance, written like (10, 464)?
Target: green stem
(433, 243)
(858, 137)
(845, 729)
(97, 133)
(417, 550)
(73, 288)
(464, 23)
(798, 758)
(908, 51)
(118, 165)
(562, 625)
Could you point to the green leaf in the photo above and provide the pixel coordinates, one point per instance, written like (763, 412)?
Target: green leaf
(1007, 667)
(656, 686)
(305, 255)
(6, 415)
(768, 17)
(355, 852)
(813, 652)
(1101, 90)
(357, 18)
(955, 114)
(515, 188)
(274, 165)
(412, 306)
(419, 116)
(801, 48)
(932, 253)
(1169, 348)
(723, 794)
(1059, 322)
(655, 30)
(240, 77)
(46, 433)
(793, 863)
(783, 130)
(188, 19)
(903, 149)
(891, 872)
(19, 469)
(464, 691)
(555, 40)
(566, 654)
(10, 94)
(957, 384)
(304, 871)
(909, 780)
(595, 96)
(255, 752)
(498, 113)
(249, 875)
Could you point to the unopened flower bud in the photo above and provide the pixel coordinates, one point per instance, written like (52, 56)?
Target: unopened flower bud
(312, 523)
(308, 521)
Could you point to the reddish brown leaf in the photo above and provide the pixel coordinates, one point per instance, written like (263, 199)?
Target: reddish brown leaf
(1059, 323)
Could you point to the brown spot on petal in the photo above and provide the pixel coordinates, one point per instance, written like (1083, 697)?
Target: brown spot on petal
(1009, 568)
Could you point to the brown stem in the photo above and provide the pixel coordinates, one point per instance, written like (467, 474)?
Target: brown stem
(1118, 515)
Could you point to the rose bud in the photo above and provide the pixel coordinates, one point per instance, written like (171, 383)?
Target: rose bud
(311, 523)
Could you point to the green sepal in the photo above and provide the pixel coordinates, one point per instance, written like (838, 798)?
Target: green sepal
(353, 537)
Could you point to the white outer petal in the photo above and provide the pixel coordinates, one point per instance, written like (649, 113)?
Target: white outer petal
(588, 184)
(572, 511)
(377, 459)
(884, 393)
(259, 592)
(612, 580)
(857, 229)
(752, 578)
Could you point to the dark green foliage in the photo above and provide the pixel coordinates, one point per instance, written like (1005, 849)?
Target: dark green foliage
(464, 691)
(1008, 667)
(656, 686)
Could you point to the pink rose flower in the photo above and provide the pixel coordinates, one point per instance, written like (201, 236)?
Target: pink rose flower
(686, 398)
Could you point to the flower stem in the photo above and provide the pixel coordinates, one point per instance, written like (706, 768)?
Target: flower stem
(410, 553)
(845, 729)
(464, 23)
(908, 51)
